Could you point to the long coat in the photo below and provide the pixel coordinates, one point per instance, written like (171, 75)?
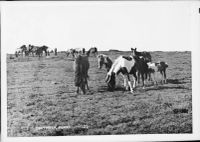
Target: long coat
(81, 66)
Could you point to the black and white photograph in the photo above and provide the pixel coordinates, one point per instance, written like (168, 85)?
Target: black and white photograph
(100, 70)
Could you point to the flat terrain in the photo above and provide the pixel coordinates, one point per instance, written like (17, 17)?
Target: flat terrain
(42, 99)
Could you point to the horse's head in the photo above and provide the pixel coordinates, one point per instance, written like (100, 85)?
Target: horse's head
(134, 51)
(110, 80)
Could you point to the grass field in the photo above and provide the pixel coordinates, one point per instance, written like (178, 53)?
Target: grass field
(42, 99)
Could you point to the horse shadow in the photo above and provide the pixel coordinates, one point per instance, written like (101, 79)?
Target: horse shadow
(175, 81)
(104, 89)
(70, 59)
(162, 87)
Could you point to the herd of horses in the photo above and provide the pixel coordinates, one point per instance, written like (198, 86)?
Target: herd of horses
(33, 50)
(76, 51)
(138, 65)
(39, 50)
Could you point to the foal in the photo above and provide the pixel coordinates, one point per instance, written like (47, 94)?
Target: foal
(158, 67)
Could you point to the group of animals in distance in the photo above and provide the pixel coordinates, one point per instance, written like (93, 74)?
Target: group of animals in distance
(34, 50)
(137, 64)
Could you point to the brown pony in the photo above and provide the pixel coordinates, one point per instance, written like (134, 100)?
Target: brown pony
(81, 66)
(40, 50)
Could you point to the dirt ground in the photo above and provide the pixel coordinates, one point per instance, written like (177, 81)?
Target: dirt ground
(42, 99)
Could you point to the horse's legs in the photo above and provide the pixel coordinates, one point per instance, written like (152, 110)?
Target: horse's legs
(77, 90)
(154, 79)
(162, 73)
(83, 87)
(129, 83)
(149, 75)
(125, 83)
(145, 77)
(134, 80)
(87, 84)
(165, 76)
(143, 80)
(138, 77)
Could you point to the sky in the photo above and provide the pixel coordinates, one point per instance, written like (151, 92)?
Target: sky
(149, 26)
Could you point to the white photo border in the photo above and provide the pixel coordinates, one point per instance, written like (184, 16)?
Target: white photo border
(195, 47)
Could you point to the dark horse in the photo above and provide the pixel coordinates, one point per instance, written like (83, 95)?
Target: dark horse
(92, 50)
(32, 49)
(22, 49)
(81, 66)
(145, 55)
(142, 59)
(40, 50)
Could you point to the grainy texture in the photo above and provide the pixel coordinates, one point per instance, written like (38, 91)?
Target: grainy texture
(41, 93)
